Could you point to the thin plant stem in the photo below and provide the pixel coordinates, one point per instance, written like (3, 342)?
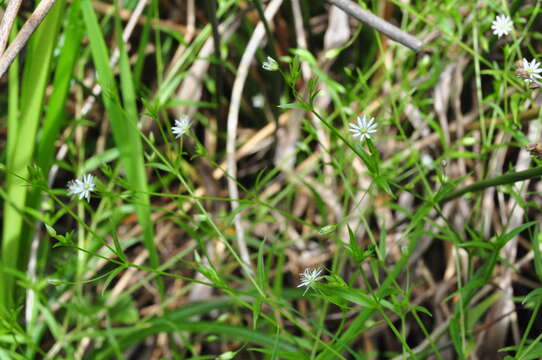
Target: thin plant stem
(528, 328)
(498, 180)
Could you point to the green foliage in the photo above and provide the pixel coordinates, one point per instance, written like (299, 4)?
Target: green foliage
(414, 233)
(26, 103)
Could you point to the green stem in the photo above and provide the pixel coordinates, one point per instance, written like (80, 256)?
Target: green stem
(527, 330)
(498, 180)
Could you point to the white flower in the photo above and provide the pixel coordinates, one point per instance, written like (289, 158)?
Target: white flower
(309, 277)
(502, 25)
(181, 126)
(363, 129)
(82, 188)
(427, 161)
(532, 69)
(270, 64)
(258, 101)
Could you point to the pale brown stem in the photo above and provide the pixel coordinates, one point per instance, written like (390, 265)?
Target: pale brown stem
(24, 34)
(7, 22)
(386, 28)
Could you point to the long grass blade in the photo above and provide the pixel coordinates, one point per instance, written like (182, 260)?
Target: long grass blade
(124, 127)
(20, 155)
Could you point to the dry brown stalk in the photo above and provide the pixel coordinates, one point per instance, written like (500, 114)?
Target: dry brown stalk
(7, 22)
(386, 28)
(24, 34)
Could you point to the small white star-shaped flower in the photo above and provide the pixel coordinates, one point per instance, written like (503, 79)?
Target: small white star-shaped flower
(502, 25)
(181, 126)
(82, 188)
(270, 64)
(309, 277)
(532, 69)
(363, 128)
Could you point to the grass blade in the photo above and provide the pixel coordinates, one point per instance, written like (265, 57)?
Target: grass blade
(124, 128)
(21, 149)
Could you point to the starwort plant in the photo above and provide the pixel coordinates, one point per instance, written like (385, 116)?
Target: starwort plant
(408, 251)
(363, 128)
(182, 125)
(82, 188)
(309, 277)
(270, 64)
(502, 25)
(532, 69)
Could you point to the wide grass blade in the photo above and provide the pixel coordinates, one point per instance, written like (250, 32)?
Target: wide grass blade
(21, 134)
(177, 320)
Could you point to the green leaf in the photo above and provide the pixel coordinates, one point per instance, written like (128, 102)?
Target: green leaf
(295, 106)
(534, 351)
(536, 240)
(422, 310)
(170, 324)
(476, 312)
(125, 310)
(534, 297)
(354, 248)
(348, 294)
(503, 239)
(51, 231)
(111, 276)
(328, 229)
(261, 278)
(123, 125)
(477, 245)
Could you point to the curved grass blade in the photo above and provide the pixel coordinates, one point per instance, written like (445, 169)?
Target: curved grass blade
(124, 129)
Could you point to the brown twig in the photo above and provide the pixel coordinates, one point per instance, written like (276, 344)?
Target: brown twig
(7, 22)
(386, 28)
(24, 34)
(233, 117)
